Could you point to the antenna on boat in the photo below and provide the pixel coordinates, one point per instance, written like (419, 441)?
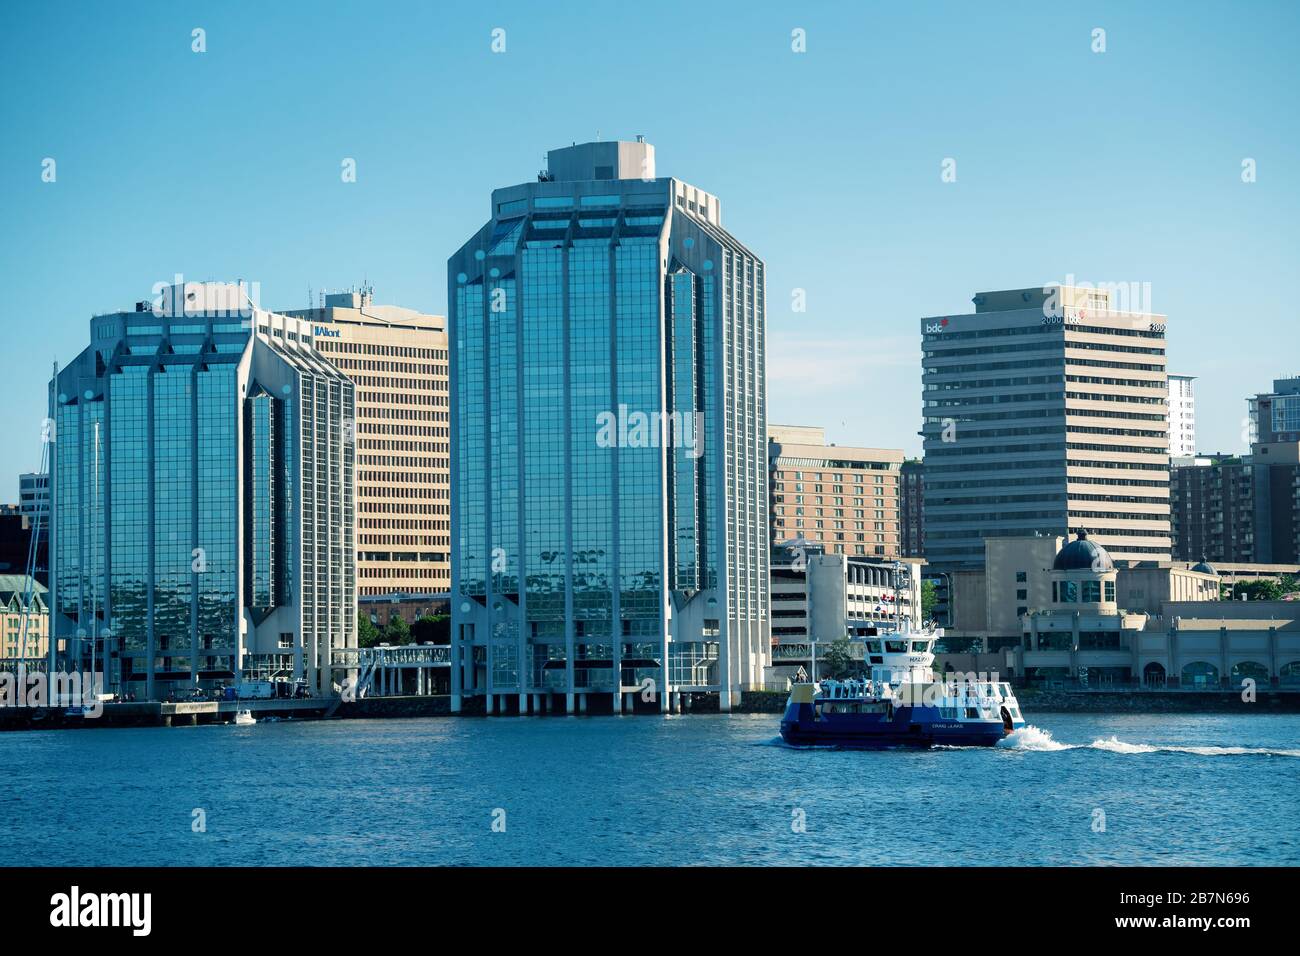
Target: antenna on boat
(898, 603)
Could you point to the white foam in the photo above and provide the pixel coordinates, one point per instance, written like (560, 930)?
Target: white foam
(1115, 745)
(1032, 738)
(1035, 738)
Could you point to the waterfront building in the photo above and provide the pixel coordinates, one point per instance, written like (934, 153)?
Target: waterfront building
(397, 359)
(819, 597)
(1045, 409)
(1095, 634)
(911, 508)
(24, 619)
(608, 442)
(202, 488)
(840, 497)
(989, 604)
(1182, 416)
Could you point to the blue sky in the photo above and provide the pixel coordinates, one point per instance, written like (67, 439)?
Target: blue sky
(1122, 166)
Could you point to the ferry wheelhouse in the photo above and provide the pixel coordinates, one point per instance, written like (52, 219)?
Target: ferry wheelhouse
(900, 703)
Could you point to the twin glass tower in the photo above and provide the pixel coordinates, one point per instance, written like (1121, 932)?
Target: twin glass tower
(609, 493)
(203, 500)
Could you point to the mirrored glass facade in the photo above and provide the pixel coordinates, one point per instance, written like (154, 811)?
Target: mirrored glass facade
(608, 458)
(185, 503)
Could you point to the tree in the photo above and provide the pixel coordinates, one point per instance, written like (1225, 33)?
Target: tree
(929, 599)
(838, 661)
(1261, 590)
(397, 631)
(367, 633)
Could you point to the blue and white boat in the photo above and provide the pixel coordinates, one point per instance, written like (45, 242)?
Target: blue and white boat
(901, 704)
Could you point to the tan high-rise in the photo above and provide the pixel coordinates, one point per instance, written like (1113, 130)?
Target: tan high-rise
(1045, 411)
(841, 497)
(398, 359)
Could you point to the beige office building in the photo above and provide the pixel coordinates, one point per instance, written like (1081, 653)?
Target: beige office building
(398, 360)
(843, 498)
(1045, 410)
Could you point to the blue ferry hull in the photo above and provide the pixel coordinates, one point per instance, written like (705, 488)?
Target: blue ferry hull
(908, 727)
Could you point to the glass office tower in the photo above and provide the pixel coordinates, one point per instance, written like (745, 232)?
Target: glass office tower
(608, 444)
(202, 499)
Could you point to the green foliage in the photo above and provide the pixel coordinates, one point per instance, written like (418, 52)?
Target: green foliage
(838, 663)
(397, 631)
(929, 599)
(1261, 590)
(367, 633)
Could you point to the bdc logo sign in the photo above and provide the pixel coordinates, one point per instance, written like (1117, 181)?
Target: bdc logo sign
(940, 326)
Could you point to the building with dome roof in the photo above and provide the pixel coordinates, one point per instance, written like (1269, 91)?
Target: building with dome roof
(1098, 631)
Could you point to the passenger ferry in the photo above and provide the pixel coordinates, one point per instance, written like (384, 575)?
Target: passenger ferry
(900, 704)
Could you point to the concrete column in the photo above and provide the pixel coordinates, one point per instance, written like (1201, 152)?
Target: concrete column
(616, 701)
(628, 704)
(488, 701)
(724, 698)
(569, 702)
(523, 704)
(537, 704)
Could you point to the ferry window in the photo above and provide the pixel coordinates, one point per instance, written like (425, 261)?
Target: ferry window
(920, 647)
(1092, 591)
(896, 647)
(1021, 577)
(1055, 600)
(1110, 590)
(873, 647)
(1070, 592)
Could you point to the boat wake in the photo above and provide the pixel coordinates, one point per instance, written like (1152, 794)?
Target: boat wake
(1035, 738)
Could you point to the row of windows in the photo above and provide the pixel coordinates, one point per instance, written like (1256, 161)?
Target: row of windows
(360, 348)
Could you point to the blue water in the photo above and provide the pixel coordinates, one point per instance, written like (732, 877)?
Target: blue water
(1175, 789)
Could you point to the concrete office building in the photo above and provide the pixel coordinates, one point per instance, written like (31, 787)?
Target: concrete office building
(818, 598)
(1045, 410)
(608, 443)
(1182, 416)
(203, 509)
(842, 498)
(911, 508)
(397, 358)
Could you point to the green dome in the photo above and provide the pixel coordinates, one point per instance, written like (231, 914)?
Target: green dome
(1083, 555)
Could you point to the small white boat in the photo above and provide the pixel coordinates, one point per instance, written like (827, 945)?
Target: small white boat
(244, 717)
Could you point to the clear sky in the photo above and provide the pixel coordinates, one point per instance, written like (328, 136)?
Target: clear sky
(1120, 166)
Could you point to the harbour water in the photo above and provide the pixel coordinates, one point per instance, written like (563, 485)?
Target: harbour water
(699, 789)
